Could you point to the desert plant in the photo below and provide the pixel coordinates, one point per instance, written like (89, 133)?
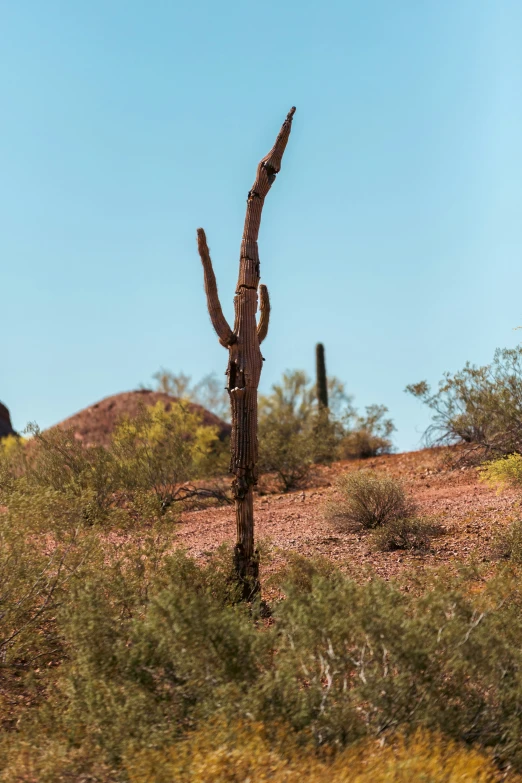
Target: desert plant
(410, 533)
(367, 436)
(209, 392)
(287, 449)
(155, 460)
(155, 652)
(504, 472)
(321, 379)
(221, 752)
(368, 500)
(508, 542)
(480, 407)
(160, 449)
(245, 360)
(294, 431)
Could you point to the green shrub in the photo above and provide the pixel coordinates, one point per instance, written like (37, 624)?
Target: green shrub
(368, 436)
(155, 647)
(411, 533)
(150, 466)
(501, 473)
(508, 542)
(160, 449)
(295, 432)
(478, 406)
(209, 392)
(368, 500)
(505, 472)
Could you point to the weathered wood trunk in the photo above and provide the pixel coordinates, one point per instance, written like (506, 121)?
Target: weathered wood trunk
(245, 360)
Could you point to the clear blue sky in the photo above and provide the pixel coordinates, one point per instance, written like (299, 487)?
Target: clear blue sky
(393, 233)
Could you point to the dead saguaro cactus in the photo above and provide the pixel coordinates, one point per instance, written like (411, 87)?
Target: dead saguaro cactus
(321, 380)
(245, 360)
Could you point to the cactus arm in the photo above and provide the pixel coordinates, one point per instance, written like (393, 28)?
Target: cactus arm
(264, 314)
(219, 322)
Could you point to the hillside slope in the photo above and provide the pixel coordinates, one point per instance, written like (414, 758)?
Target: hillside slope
(470, 512)
(95, 424)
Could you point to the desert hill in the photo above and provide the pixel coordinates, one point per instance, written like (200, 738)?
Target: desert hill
(95, 424)
(6, 428)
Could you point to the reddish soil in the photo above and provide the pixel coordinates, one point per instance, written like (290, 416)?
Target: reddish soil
(470, 513)
(95, 424)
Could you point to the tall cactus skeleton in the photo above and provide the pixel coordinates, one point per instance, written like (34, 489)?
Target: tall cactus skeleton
(245, 360)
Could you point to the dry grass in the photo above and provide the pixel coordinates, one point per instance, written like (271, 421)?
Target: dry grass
(368, 500)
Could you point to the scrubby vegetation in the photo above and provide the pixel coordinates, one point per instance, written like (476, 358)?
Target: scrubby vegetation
(478, 406)
(209, 392)
(122, 660)
(411, 533)
(504, 472)
(369, 500)
(507, 473)
(127, 660)
(295, 432)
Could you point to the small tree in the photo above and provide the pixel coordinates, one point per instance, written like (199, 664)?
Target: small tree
(478, 406)
(245, 360)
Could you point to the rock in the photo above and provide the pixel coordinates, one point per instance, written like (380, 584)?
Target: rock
(6, 427)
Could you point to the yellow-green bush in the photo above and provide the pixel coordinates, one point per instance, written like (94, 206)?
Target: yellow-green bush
(248, 752)
(123, 648)
(505, 472)
(151, 646)
(368, 500)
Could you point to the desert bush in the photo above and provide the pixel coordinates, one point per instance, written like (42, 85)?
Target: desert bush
(153, 463)
(301, 571)
(368, 436)
(478, 406)
(286, 448)
(502, 473)
(209, 392)
(374, 658)
(411, 533)
(160, 449)
(508, 542)
(295, 433)
(505, 472)
(33, 582)
(154, 647)
(221, 753)
(368, 500)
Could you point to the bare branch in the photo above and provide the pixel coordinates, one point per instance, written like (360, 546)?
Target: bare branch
(264, 313)
(219, 322)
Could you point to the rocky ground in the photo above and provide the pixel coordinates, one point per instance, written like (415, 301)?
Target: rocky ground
(471, 515)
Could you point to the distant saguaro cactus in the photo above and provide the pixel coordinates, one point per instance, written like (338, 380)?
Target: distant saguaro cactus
(245, 360)
(321, 379)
